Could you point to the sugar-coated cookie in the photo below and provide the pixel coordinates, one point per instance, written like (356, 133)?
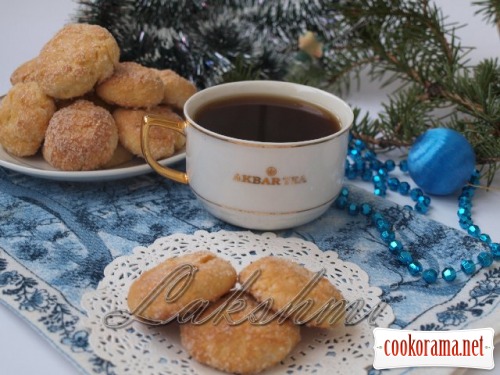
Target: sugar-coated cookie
(75, 59)
(80, 137)
(162, 142)
(244, 348)
(120, 156)
(133, 86)
(177, 89)
(213, 278)
(26, 72)
(282, 280)
(25, 113)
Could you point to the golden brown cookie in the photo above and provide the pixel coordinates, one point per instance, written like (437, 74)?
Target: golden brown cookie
(214, 278)
(25, 72)
(244, 348)
(90, 96)
(120, 156)
(162, 142)
(75, 59)
(133, 86)
(24, 116)
(283, 280)
(80, 137)
(177, 89)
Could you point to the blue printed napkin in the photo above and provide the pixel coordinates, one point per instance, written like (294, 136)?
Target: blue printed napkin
(56, 238)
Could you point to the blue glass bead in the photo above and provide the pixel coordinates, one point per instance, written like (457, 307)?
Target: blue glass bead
(382, 172)
(430, 276)
(475, 178)
(404, 188)
(465, 223)
(378, 180)
(390, 165)
(393, 183)
(395, 246)
(405, 257)
(382, 225)
(436, 166)
(468, 266)
(463, 200)
(344, 192)
(449, 274)
(359, 144)
(465, 203)
(425, 200)
(353, 209)
(415, 268)
(388, 236)
(474, 231)
(375, 164)
(463, 213)
(351, 174)
(408, 208)
(366, 175)
(354, 153)
(366, 209)
(421, 208)
(475, 181)
(468, 192)
(377, 216)
(369, 155)
(379, 191)
(416, 193)
(359, 165)
(485, 259)
(485, 238)
(467, 206)
(380, 185)
(403, 166)
(341, 202)
(495, 250)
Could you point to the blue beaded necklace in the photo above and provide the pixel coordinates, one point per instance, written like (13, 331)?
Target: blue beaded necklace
(362, 162)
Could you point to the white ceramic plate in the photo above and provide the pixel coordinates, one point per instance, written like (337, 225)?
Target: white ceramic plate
(36, 166)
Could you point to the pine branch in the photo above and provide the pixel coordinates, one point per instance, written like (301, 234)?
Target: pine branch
(490, 10)
(411, 42)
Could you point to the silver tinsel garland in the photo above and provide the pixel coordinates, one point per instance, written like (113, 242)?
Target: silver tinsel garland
(211, 41)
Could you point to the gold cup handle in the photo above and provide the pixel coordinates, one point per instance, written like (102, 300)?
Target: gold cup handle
(178, 126)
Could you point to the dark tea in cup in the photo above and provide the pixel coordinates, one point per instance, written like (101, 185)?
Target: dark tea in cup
(264, 118)
(261, 155)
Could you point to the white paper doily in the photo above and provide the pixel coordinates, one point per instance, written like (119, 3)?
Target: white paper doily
(140, 349)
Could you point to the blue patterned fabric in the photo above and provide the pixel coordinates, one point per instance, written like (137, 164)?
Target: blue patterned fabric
(56, 238)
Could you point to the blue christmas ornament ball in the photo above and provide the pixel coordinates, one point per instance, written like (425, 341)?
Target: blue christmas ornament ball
(441, 161)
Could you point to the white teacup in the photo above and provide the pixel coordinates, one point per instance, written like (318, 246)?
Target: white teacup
(259, 185)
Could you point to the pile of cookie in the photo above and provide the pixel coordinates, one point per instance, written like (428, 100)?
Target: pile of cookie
(83, 107)
(240, 328)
